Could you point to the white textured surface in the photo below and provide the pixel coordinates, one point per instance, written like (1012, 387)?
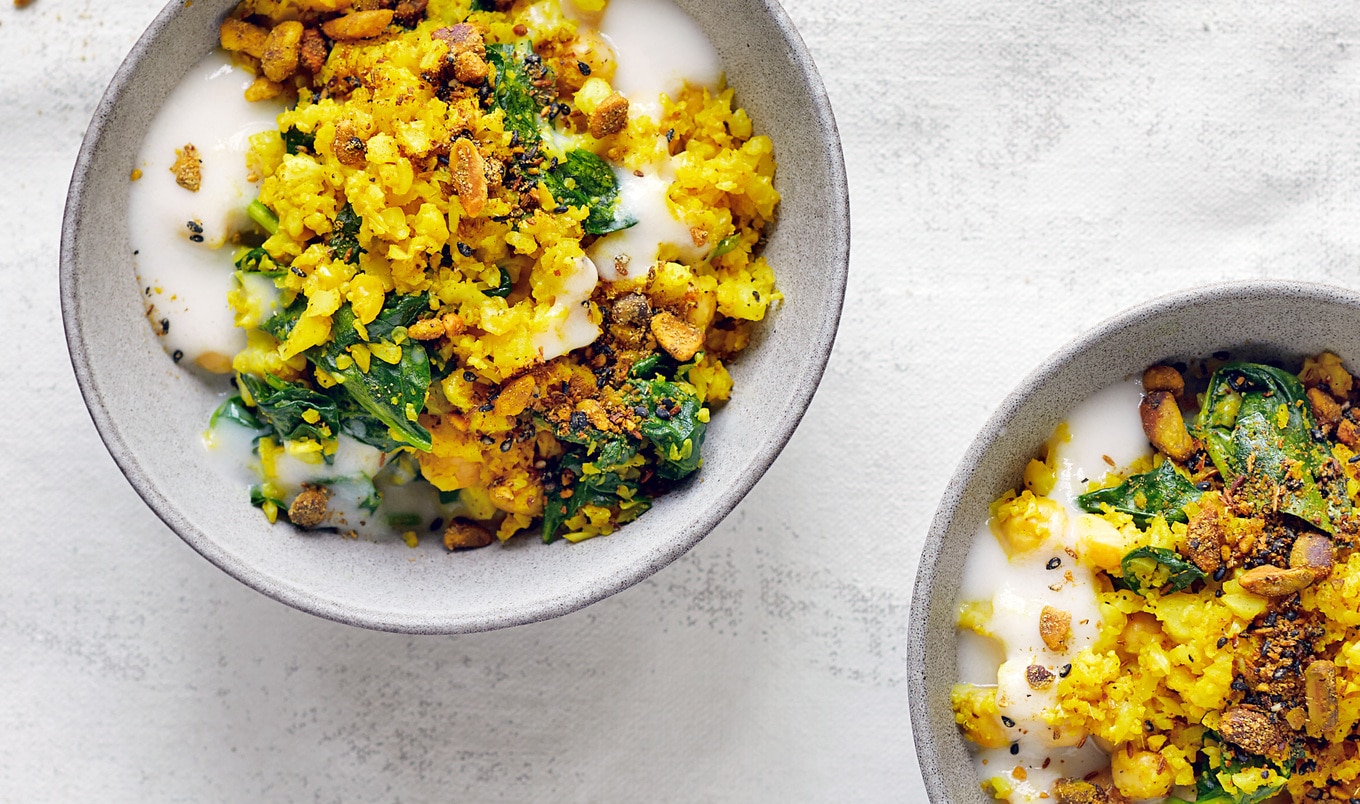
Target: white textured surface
(1018, 171)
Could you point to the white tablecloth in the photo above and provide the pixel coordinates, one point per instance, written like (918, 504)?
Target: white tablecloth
(1019, 170)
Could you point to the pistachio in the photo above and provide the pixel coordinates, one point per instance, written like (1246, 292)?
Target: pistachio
(1313, 552)
(464, 535)
(1271, 581)
(1320, 691)
(1251, 729)
(1163, 378)
(1165, 427)
(1055, 625)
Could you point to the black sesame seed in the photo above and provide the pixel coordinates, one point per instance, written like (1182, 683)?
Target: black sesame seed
(197, 238)
(663, 414)
(165, 326)
(1007, 722)
(1064, 671)
(177, 356)
(1015, 748)
(640, 410)
(670, 134)
(436, 524)
(469, 377)
(579, 420)
(506, 444)
(1220, 573)
(487, 408)
(583, 67)
(1054, 563)
(195, 227)
(464, 249)
(1222, 641)
(1204, 485)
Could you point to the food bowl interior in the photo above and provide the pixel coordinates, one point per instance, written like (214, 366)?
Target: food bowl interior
(152, 414)
(1266, 321)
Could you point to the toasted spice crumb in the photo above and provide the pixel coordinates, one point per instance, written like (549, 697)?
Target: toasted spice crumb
(188, 168)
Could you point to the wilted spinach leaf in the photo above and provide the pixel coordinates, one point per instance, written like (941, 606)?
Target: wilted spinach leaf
(1163, 491)
(604, 486)
(284, 407)
(296, 141)
(391, 393)
(344, 239)
(1257, 425)
(280, 324)
(524, 85)
(1158, 568)
(257, 259)
(672, 426)
(236, 410)
(585, 180)
(503, 289)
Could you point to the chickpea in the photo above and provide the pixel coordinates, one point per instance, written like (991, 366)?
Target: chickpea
(1140, 774)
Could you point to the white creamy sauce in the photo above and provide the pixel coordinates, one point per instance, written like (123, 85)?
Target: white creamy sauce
(1018, 589)
(659, 49)
(569, 325)
(631, 252)
(189, 280)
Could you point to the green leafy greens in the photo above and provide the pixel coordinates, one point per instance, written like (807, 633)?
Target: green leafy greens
(1160, 569)
(1258, 428)
(524, 88)
(585, 180)
(1161, 492)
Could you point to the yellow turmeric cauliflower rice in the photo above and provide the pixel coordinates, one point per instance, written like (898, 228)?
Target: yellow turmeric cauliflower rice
(441, 210)
(1223, 660)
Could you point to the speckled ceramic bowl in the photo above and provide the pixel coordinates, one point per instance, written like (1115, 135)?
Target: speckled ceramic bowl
(151, 414)
(1255, 320)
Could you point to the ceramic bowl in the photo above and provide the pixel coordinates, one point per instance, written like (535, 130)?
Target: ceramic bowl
(1263, 320)
(151, 414)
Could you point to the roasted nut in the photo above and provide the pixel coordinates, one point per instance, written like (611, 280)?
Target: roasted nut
(1348, 433)
(462, 38)
(1055, 625)
(1076, 791)
(312, 51)
(350, 150)
(1251, 729)
(630, 316)
(454, 324)
(610, 117)
(407, 12)
(470, 68)
(1204, 540)
(462, 534)
(1313, 552)
(516, 395)
(1163, 378)
(188, 168)
(1326, 409)
(1271, 581)
(358, 25)
(469, 177)
(263, 89)
(1164, 426)
(282, 49)
(426, 329)
(1038, 677)
(239, 36)
(1320, 691)
(680, 339)
(309, 508)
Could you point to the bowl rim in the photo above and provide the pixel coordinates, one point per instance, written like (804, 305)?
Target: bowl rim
(125, 457)
(927, 742)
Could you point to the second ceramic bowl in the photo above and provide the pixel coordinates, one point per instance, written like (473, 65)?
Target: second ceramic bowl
(1263, 320)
